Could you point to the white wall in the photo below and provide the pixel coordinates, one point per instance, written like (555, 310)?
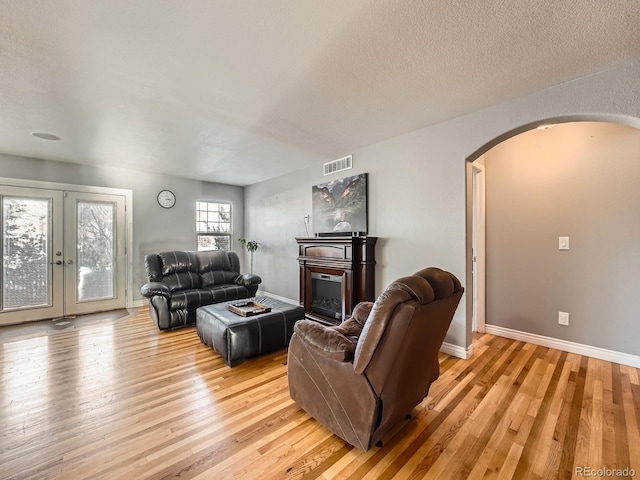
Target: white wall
(155, 229)
(417, 186)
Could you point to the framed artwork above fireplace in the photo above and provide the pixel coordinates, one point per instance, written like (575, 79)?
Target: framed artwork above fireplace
(340, 206)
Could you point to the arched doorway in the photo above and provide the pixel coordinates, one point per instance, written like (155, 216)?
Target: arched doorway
(584, 175)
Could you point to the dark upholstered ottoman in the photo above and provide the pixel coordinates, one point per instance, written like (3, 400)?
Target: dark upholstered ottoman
(236, 337)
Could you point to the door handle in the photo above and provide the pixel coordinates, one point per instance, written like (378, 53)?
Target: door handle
(70, 262)
(59, 262)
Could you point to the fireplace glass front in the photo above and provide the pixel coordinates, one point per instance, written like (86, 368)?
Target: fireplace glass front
(326, 295)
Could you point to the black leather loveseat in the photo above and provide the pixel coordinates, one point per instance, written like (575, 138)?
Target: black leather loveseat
(181, 281)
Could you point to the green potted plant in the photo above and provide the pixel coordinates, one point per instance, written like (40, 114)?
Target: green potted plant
(251, 246)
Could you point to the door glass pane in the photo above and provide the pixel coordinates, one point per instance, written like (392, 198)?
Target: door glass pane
(25, 249)
(95, 251)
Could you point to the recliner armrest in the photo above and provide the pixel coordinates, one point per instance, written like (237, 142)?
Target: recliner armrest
(350, 328)
(154, 288)
(326, 340)
(248, 279)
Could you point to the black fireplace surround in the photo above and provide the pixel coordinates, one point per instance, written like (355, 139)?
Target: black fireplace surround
(326, 295)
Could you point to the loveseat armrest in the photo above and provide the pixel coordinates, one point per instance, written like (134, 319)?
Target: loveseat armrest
(248, 280)
(325, 340)
(154, 288)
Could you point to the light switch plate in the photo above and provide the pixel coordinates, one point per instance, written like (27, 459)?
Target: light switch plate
(563, 318)
(563, 243)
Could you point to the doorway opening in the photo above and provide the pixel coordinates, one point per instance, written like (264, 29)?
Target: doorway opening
(572, 180)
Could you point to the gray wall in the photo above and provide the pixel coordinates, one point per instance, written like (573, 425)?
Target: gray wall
(418, 186)
(155, 229)
(580, 180)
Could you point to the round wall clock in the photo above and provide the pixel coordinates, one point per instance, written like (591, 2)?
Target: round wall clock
(166, 198)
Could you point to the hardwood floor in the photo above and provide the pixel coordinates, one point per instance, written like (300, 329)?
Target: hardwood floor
(122, 400)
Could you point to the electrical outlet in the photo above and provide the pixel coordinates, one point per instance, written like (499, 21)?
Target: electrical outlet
(563, 318)
(306, 219)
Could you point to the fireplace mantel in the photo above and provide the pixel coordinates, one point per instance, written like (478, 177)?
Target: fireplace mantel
(350, 258)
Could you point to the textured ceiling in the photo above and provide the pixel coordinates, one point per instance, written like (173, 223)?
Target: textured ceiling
(241, 91)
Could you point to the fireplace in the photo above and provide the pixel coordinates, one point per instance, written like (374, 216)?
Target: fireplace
(336, 273)
(326, 295)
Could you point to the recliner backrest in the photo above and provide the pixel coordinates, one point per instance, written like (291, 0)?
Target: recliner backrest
(218, 267)
(398, 292)
(177, 269)
(427, 299)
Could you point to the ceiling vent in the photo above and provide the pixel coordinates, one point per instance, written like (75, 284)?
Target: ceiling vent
(344, 163)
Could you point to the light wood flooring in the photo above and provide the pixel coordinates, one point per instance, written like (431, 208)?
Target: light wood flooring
(120, 399)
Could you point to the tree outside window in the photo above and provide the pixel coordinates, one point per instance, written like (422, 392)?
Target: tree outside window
(25, 266)
(213, 226)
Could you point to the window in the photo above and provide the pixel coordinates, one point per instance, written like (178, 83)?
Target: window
(213, 226)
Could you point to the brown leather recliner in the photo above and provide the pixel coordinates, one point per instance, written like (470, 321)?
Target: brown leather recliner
(360, 378)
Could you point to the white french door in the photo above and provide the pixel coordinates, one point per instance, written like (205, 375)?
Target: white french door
(63, 253)
(29, 240)
(94, 252)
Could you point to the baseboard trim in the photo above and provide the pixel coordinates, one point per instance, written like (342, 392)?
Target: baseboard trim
(278, 297)
(457, 351)
(566, 346)
(138, 303)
